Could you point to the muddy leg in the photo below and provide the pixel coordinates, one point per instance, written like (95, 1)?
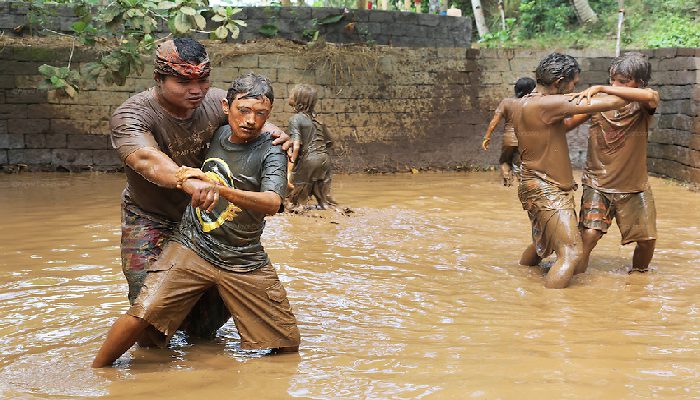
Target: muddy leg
(590, 239)
(325, 187)
(507, 174)
(568, 257)
(507, 160)
(120, 338)
(643, 253)
(318, 195)
(530, 257)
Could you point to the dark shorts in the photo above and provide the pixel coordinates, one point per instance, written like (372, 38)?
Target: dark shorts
(256, 299)
(635, 213)
(142, 240)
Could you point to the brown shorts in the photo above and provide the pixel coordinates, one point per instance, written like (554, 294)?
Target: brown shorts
(552, 229)
(635, 213)
(257, 300)
(551, 212)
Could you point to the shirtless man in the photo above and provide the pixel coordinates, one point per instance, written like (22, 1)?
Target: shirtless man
(547, 185)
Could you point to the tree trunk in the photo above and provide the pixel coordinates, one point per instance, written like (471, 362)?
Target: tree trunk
(584, 12)
(479, 18)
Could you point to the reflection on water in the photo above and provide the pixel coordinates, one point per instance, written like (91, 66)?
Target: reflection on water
(416, 295)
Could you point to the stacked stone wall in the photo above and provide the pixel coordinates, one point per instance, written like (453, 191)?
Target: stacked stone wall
(293, 23)
(401, 108)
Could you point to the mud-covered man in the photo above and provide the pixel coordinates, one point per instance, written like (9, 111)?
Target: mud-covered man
(546, 190)
(220, 247)
(155, 132)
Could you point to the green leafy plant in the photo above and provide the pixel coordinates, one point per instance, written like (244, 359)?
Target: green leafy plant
(269, 30)
(125, 31)
(537, 16)
(500, 37)
(312, 32)
(674, 31)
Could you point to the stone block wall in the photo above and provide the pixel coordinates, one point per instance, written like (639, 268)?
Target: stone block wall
(674, 143)
(298, 23)
(396, 108)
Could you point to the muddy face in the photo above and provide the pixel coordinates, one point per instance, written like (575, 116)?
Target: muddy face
(246, 117)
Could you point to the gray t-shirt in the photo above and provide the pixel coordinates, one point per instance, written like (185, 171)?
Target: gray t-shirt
(229, 237)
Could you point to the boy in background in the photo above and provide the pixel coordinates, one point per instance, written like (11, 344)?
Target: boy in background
(509, 159)
(615, 179)
(310, 167)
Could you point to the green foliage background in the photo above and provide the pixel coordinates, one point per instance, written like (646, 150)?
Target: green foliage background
(553, 23)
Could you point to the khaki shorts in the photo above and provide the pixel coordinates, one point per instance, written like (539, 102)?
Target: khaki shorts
(635, 213)
(257, 300)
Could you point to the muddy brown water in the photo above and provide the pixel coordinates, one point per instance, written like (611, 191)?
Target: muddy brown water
(417, 295)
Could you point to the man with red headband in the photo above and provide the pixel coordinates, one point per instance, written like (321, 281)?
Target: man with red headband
(155, 132)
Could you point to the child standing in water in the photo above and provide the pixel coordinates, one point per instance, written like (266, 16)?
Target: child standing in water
(309, 171)
(615, 180)
(510, 158)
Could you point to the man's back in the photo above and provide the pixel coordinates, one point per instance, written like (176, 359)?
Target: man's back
(544, 152)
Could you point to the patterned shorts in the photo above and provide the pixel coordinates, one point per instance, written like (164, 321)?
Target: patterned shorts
(635, 213)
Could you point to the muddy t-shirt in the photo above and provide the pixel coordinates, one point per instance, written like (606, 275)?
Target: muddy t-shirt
(505, 109)
(228, 236)
(309, 133)
(142, 122)
(617, 150)
(544, 153)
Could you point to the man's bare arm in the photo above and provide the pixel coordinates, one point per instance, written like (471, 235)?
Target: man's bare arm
(154, 165)
(648, 97)
(574, 121)
(557, 107)
(489, 130)
(161, 170)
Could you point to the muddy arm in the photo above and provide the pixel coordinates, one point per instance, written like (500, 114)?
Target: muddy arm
(557, 107)
(154, 165)
(574, 121)
(489, 130)
(648, 97)
(266, 202)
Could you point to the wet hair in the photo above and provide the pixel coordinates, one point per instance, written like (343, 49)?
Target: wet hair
(304, 98)
(523, 86)
(191, 50)
(632, 65)
(253, 86)
(555, 66)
